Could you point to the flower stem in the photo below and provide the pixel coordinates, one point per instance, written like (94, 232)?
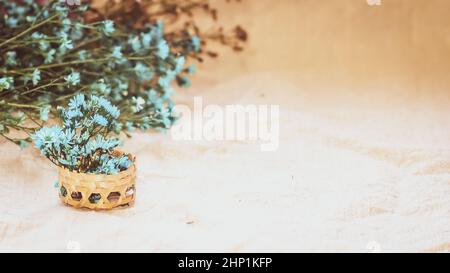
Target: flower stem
(28, 30)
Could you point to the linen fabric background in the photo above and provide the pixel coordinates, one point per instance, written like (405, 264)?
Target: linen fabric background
(364, 156)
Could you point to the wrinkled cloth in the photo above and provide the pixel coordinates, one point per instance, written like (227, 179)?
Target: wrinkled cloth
(342, 180)
(363, 163)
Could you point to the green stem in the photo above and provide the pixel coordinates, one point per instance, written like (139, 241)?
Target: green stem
(28, 30)
(43, 86)
(22, 105)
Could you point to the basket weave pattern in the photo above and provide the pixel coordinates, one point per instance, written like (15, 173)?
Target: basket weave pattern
(97, 192)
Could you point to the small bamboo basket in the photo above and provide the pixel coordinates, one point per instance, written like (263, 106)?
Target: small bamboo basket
(97, 192)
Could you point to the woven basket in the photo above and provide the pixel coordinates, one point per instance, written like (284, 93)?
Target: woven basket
(97, 192)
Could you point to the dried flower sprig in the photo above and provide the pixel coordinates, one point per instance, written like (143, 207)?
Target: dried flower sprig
(49, 52)
(183, 18)
(83, 144)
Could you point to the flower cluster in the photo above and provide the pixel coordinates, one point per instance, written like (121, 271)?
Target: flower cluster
(83, 144)
(49, 52)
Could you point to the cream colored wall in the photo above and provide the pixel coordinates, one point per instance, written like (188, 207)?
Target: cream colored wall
(400, 46)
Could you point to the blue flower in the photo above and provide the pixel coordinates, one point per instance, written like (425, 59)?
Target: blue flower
(130, 126)
(155, 99)
(36, 77)
(109, 165)
(6, 83)
(125, 162)
(67, 137)
(65, 43)
(112, 110)
(77, 101)
(163, 49)
(143, 72)
(73, 78)
(166, 81)
(71, 114)
(138, 104)
(196, 42)
(82, 54)
(107, 27)
(179, 64)
(12, 22)
(47, 136)
(135, 43)
(11, 58)
(50, 55)
(146, 39)
(43, 112)
(101, 143)
(101, 87)
(117, 54)
(100, 120)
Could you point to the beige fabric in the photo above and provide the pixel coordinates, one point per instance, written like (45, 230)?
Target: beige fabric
(364, 157)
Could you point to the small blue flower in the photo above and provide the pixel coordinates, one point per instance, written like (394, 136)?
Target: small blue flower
(100, 120)
(163, 50)
(179, 64)
(82, 55)
(71, 114)
(12, 22)
(73, 78)
(166, 81)
(65, 43)
(109, 108)
(117, 54)
(47, 136)
(124, 162)
(36, 77)
(135, 43)
(130, 126)
(138, 104)
(77, 101)
(101, 87)
(196, 42)
(107, 27)
(11, 58)
(43, 112)
(146, 39)
(50, 55)
(6, 83)
(143, 72)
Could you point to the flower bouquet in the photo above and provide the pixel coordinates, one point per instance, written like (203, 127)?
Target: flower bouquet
(92, 172)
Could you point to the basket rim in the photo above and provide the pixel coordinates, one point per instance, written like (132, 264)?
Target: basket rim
(126, 172)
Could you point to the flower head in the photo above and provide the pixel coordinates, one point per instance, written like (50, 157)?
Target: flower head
(143, 72)
(138, 104)
(36, 76)
(107, 27)
(11, 58)
(73, 78)
(6, 83)
(47, 136)
(100, 120)
(163, 49)
(196, 42)
(43, 112)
